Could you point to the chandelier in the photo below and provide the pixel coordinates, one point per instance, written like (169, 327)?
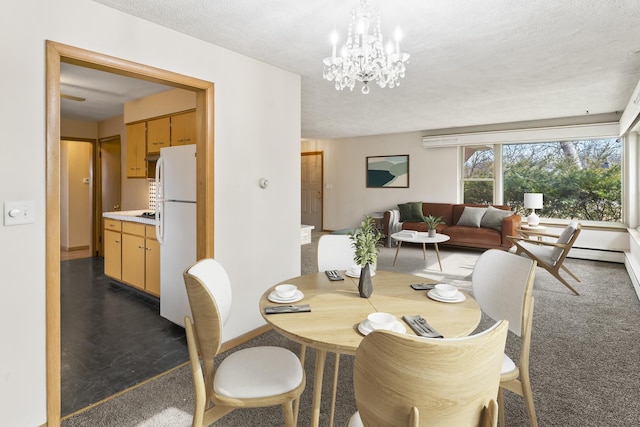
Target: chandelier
(363, 57)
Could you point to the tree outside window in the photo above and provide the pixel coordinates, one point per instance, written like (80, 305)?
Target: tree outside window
(580, 180)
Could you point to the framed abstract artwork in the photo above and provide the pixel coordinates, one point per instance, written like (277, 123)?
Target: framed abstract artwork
(388, 171)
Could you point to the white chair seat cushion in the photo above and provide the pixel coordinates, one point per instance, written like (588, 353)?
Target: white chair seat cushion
(543, 253)
(507, 365)
(258, 372)
(355, 421)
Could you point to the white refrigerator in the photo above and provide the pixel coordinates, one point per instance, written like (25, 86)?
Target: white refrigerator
(176, 226)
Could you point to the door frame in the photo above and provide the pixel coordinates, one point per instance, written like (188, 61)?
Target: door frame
(98, 228)
(321, 154)
(57, 53)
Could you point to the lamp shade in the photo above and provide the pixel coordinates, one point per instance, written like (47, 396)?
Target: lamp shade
(533, 200)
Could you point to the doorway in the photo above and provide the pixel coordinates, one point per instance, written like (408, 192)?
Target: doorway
(311, 183)
(108, 176)
(57, 53)
(76, 198)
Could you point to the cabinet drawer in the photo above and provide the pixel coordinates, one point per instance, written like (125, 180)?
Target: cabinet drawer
(112, 224)
(133, 228)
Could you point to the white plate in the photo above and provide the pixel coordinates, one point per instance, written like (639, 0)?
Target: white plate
(434, 295)
(297, 296)
(352, 273)
(365, 328)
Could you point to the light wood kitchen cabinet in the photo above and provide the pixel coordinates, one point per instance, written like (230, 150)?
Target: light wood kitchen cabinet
(183, 128)
(158, 134)
(133, 254)
(136, 150)
(138, 255)
(112, 249)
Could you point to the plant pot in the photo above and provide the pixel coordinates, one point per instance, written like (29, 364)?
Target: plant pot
(365, 287)
(432, 232)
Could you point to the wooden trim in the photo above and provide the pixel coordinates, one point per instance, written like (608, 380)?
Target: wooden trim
(52, 227)
(55, 54)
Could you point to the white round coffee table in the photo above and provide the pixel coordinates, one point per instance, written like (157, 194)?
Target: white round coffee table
(420, 238)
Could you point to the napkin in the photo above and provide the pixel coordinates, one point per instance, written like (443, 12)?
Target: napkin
(274, 309)
(421, 327)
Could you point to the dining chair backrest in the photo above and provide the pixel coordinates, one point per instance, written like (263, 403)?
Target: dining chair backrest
(502, 285)
(209, 292)
(449, 381)
(335, 252)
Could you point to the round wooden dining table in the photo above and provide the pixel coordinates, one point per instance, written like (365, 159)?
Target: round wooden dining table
(337, 309)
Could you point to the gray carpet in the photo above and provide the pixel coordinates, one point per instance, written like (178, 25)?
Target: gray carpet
(585, 355)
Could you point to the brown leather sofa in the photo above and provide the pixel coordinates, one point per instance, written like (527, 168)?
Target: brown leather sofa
(460, 235)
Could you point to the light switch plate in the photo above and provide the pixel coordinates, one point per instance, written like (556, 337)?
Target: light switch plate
(19, 212)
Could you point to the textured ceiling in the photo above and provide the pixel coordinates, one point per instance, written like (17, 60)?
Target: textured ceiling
(472, 62)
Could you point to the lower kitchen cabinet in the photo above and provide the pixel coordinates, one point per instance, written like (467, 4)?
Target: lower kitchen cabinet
(112, 254)
(138, 256)
(152, 261)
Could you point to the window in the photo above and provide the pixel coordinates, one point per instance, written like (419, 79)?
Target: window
(580, 179)
(479, 171)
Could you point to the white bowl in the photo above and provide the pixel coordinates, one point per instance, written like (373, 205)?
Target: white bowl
(286, 290)
(380, 320)
(446, 291)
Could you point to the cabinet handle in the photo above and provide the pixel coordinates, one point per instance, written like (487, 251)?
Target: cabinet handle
(140, 247)
(117, 241)
(148, 249)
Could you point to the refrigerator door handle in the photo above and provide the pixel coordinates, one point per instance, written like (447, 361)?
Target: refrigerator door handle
(160, 200)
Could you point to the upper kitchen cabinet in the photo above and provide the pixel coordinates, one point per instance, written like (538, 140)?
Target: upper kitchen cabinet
(158, 134)
(183, 128)
(136, 150)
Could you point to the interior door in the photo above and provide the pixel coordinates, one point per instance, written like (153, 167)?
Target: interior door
(311, 175)
(110, 177)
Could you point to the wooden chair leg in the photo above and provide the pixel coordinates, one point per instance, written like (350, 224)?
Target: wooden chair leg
(528, 399)
(296, 403)
(556, 274)
(570, 273)
(501, 407)
(335, 389)
(490, 415)
(287, 410)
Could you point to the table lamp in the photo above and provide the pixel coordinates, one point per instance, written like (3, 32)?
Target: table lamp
(533, 201)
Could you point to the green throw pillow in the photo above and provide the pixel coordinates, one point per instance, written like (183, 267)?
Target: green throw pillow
(416, 211)
(411, 212)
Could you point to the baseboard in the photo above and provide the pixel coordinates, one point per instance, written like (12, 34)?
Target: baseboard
(634, 272)
(597, 255)
(74, 248)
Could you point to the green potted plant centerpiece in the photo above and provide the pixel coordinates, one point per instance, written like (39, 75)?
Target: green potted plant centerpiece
(366, 240)
(432, 223)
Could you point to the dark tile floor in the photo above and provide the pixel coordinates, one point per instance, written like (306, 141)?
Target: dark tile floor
(112, 336)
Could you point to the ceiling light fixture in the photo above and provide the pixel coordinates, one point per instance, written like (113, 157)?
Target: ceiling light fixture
(363, 57)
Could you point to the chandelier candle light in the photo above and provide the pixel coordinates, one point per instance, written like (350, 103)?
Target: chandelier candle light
(533, 201)
(363, 57)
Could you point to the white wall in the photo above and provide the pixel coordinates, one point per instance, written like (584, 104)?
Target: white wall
(257, 133)
(433, 176)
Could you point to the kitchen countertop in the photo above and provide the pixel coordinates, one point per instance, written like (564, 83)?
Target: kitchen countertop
(130, 216)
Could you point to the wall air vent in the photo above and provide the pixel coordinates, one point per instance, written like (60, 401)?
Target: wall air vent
(438, 142)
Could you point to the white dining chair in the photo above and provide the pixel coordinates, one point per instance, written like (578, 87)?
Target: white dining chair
(503, 287)
(242, 379)
(335, 252)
